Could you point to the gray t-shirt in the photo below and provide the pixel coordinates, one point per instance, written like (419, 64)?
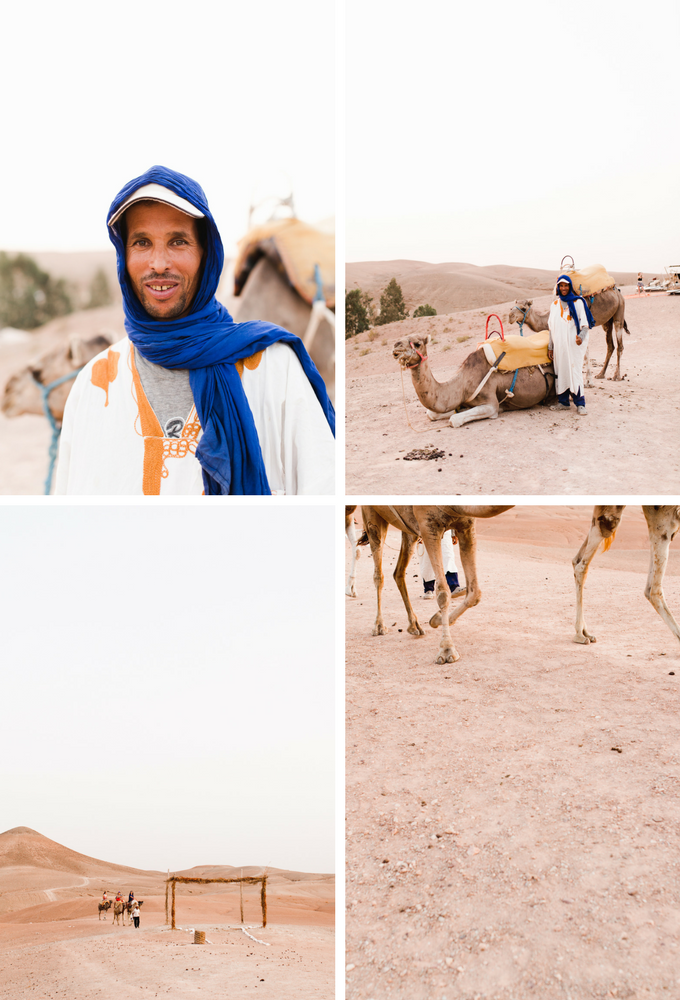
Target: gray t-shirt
(169, 393)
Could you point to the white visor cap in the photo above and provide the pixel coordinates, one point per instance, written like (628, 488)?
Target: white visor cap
(156, 192)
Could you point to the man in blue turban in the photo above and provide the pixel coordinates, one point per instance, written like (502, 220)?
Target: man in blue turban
(569, 321)
(190, 402)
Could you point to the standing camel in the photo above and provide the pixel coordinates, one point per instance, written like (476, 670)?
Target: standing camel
(350, 531)
(608, 309)
(430, 523)
(443, 399)
(662, 525)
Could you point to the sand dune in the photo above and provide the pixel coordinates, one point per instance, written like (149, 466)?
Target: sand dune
(453, 287)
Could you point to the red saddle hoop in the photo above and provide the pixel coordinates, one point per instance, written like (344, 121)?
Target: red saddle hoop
(500, 333)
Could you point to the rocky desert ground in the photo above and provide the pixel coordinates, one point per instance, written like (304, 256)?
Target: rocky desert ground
(619, 447)
(54, 945)
(513, 819)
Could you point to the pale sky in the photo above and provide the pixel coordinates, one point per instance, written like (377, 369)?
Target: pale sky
(238, 96)
(497, 133)
(168, 682)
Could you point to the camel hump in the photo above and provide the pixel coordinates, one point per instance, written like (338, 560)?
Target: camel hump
(591, 280)
(105, 371)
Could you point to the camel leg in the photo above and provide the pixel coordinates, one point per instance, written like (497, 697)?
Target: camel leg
(488, 411)
(376, 530)
(663, 524)
(607, 327)
(618, 329)
(439, 416)
(467, 543)
(352, 539)
(407, 543)
(603, 528)
(432, 540)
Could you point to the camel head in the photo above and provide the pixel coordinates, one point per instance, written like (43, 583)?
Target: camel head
(22, 394)
(410, 351)
(520, 309)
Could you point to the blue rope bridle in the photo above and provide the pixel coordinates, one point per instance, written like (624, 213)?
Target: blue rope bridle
(45, 390)
(525, 313)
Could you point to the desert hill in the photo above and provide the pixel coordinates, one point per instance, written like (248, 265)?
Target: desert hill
(456, 286)
(26, 848)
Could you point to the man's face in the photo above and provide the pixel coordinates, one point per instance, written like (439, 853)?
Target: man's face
(563, 288)
(163, 258)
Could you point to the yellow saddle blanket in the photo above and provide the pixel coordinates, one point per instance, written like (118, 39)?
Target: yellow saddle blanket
(293, 247)
(520, 352)
(591, 280)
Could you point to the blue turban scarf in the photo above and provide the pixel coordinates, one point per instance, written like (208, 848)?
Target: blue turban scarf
(209, 343)
(571, 298)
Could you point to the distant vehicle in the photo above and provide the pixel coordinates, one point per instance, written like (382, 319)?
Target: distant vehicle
(673, 271)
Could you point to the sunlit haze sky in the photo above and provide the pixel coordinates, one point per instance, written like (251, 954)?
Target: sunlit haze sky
(238, 96)
(168, 682)
(499, 133)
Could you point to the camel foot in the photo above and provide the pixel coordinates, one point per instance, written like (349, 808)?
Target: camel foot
(448, 655)
(600, 374)
(415, 629)
(350, 591)
(617, 378)
(584, 638)
(379, 630)
(436, 620)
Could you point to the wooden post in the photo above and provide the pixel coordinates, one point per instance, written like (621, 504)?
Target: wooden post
(173, 905)
(240, 885)
(167, 886)
(263, 900)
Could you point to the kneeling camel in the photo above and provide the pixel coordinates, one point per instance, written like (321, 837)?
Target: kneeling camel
(443, 400)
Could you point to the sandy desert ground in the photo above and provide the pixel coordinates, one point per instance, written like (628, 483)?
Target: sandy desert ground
(55, 946)
(513, 819)
(621, 446)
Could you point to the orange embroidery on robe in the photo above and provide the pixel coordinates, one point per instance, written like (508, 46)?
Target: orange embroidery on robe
(250, 363)
(104, 372)
(157, 447)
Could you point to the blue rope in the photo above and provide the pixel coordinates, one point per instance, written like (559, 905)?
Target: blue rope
(514, 379)
(524, 316)
(45, 391)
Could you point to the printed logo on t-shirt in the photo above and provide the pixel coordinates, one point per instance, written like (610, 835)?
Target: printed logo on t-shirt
(173, 427)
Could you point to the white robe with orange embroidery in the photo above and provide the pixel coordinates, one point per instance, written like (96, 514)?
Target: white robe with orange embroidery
(112, 443)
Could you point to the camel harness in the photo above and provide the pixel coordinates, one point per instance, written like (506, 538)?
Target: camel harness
(45, 391)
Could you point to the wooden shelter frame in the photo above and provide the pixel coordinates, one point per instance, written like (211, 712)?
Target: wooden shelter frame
(243, 879)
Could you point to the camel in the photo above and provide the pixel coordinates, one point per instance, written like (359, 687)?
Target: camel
(274, 280)
(22, 392)
(350, 531)
(608, 309)
(443, 400)
(130, 904)
(119, 910)
(104, 907)
(430, 522)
